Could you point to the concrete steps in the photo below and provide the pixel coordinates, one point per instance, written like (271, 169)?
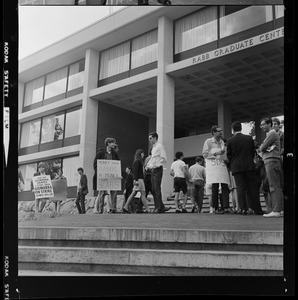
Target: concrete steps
(155, 261)
(205, 208)
(151, 251)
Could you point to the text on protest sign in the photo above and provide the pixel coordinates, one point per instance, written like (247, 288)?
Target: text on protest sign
(43, 186)
(108, 175)
(216, 171)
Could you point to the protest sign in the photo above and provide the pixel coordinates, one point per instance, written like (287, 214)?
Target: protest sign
(216, 171)
(42, 186)
(108, 175)
(60, 189)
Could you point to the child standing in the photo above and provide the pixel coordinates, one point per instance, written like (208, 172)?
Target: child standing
(179, 172)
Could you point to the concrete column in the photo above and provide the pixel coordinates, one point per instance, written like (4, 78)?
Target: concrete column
(224, 117)
(152, 128)
(89, 117)
(165, 100)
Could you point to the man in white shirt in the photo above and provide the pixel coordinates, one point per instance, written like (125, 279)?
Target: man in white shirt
(155, 164)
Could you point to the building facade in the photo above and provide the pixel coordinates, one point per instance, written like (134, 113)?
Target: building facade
(47, 2)
(176, 70)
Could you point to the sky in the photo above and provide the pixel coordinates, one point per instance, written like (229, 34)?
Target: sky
(40, 26)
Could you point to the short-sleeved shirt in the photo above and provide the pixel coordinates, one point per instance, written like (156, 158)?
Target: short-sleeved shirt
(178, 166)
(197, 172)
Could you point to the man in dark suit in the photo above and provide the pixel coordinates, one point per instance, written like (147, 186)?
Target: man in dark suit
(240, 154)
(82, 191)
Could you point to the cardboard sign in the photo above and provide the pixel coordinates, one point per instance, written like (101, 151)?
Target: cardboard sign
(43, 186)
(108, 175)
(216, 171)
(60, 189)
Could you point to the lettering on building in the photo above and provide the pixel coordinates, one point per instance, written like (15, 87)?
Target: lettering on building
(245, 44)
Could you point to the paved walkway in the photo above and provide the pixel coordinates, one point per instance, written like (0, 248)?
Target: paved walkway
(166, 220)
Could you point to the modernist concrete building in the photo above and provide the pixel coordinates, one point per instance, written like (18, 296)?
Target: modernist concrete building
(176, 70)
(47, 2)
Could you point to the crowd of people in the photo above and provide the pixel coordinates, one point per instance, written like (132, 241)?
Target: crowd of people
(232, 173)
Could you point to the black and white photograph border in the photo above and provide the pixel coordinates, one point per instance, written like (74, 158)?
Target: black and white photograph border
(181, 94)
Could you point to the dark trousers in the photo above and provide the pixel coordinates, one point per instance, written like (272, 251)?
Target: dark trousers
(80, 203)
(156, 177)
(127, 194)
(247, 190)
(198, 195)
(132, 205)
(225, 195)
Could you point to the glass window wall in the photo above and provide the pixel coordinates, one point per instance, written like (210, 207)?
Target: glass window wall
(114, 61)
(70, 166)
(52, 128)
(56, 83)
(30, 134)
(279, 11)
(76, 75)
(52, 166)
(144, 49)
(28, 172)
(34, 91)
(196, 29)
(235, 19)
(72, 125)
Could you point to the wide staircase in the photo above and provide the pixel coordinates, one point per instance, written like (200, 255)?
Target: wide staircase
(205, 208)
(150, 250)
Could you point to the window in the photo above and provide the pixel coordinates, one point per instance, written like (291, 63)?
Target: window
(34, 91)
(279, 11)
(52, 128)
(70, 166)
(30, 134)
(76, 75)
(53, 166)
(72, 125)
(56, 83)
(235, 19)
(114, 61)
(196, 29)
(28, 172)
(144, 49)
